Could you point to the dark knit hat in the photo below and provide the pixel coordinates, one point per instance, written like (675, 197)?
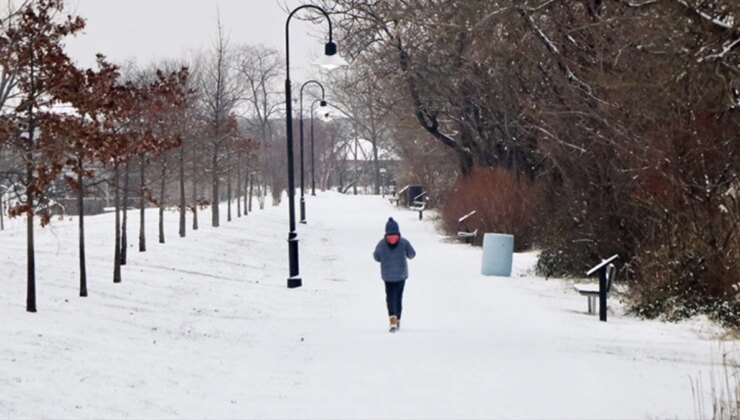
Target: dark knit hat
(391, 227)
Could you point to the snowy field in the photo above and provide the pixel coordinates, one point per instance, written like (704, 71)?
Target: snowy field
(204, 327)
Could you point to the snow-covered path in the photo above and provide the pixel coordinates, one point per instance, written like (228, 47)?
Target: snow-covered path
(205, 327)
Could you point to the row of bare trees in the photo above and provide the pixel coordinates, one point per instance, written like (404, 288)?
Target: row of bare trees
(60, 121)
(624, 114)
(186, 134)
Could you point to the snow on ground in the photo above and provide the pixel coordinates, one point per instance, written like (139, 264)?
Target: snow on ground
(205, 327)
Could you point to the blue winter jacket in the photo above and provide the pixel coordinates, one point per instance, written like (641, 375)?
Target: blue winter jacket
(392, 259)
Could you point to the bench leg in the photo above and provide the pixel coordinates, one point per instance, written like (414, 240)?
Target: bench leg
(592, 304)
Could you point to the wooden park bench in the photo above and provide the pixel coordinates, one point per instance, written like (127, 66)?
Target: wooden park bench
(607, 273)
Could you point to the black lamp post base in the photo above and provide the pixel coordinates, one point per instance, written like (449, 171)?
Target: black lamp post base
(294, 280)
(302, 221)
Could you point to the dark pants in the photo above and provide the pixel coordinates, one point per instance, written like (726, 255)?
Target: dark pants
(394, 296)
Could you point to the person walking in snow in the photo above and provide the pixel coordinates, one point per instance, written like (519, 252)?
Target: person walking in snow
(392, 252)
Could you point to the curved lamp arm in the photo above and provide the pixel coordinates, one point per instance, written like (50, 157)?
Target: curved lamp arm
(316, 82)
(330, 48)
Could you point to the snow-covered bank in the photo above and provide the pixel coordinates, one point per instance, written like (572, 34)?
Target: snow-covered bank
(205, 327)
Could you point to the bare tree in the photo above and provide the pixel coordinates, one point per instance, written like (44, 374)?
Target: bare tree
(262, 68)
(220, 91)
(360, 96)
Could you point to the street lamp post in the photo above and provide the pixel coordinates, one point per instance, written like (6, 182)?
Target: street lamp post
(331, 60)
(313, 172)
(303, 199)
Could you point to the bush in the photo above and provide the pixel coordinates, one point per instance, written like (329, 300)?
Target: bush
(577, 230)
(504, 202)
(556, 262)
(685, 276)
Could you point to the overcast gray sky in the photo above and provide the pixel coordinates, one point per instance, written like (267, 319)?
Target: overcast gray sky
(148, 30)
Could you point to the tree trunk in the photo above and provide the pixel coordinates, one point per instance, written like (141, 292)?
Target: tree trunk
(142, 204)
(247, 193)
(214, 188)
(376, 161)
(117, 204)
(30, 250)
(195, 191)
(2, 213)
(124, 210)
(251, 189)
(261, 191)
(228, 195)
(182, 192)
(238, 186)
(81, 223)
(162, 185)
(354, 175)
(429, 121)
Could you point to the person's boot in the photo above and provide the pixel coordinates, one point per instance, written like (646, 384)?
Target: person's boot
(394, 323)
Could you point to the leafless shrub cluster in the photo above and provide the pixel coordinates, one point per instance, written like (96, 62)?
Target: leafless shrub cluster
(503, 202)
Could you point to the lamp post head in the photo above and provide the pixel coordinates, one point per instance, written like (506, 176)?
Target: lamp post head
(324, 114)
(331, 60)
(330, 48)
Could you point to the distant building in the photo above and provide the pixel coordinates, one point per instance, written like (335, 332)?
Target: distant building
(355, 166)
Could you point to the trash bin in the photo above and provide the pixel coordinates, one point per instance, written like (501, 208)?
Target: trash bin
(498, 253)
